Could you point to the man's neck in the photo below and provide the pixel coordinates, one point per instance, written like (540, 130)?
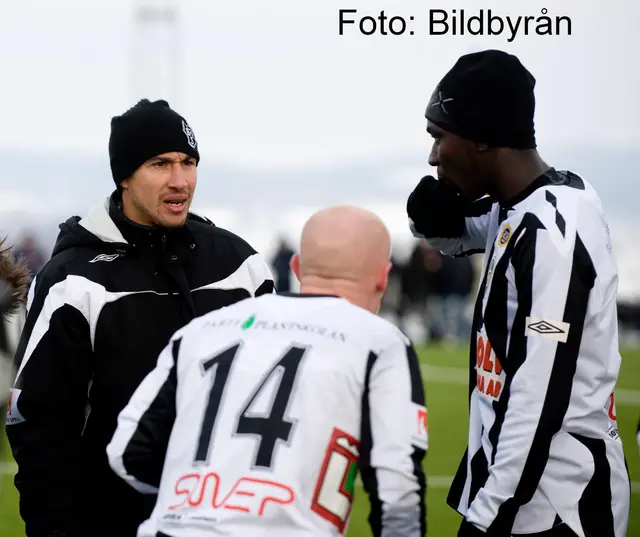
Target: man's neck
(516, 171)
(337, 287)
(140, 234)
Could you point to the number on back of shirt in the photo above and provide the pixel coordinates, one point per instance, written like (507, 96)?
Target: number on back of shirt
(333, 494)
(267, 429)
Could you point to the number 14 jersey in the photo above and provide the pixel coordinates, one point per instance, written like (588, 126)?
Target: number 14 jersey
(260, 417)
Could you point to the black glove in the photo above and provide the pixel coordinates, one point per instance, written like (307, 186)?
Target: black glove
(436, 209)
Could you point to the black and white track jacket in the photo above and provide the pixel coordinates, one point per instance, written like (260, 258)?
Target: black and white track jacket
(99, 314)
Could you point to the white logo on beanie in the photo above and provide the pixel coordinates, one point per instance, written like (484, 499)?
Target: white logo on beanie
(191, 138)
(442, 102)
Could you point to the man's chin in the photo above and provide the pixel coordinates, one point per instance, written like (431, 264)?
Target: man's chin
(171, 221)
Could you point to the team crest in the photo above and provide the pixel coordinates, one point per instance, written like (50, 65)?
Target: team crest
(504, 236)
(191, 138)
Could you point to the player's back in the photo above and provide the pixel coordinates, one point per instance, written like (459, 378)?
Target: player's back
(272, 417)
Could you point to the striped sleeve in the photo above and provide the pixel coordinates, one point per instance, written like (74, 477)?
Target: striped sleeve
(252, 274)
(553, 281)
(394, 443)
(261, 276)
(474, 238)
(137, 450)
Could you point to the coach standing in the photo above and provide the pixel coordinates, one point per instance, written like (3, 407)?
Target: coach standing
(120, 282)
(544, 456)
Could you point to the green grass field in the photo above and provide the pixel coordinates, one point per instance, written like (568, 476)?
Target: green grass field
(445, 376)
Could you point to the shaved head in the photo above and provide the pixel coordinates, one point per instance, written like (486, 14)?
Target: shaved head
(345, 248)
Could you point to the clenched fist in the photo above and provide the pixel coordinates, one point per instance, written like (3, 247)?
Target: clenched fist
(436, 209)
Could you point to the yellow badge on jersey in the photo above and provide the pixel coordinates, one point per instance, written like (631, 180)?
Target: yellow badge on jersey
(505, 234)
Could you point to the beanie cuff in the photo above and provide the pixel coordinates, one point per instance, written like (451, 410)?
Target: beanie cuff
(510, 139)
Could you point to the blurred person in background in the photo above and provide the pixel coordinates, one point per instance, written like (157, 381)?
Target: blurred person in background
(544, 456)
(448, 301)
(31, 253)
(414, 276)
(281, 268)
(416, 285)
(347, 396)
(120, 282)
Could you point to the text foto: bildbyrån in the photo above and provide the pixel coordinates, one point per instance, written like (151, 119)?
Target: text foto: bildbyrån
(457, 22)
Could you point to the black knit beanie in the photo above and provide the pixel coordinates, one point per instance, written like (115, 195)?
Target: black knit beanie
(487, 97)
(144, 131)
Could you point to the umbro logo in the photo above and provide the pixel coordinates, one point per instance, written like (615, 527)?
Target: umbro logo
(104, 257)
(543, 327)
(556, 330)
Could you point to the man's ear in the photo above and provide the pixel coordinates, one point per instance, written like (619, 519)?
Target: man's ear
(294, 263)
(382, 280)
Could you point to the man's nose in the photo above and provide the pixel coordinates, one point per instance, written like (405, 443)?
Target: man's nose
(178, 178)
(433, 157)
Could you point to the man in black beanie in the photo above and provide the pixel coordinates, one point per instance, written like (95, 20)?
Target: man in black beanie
(544, 456)
(153, 154)
(121, 281)
(481, 116)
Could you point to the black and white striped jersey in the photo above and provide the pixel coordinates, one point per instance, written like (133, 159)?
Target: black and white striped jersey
(543, 444)
(266, 411)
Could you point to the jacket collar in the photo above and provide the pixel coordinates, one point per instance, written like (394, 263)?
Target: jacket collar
(145, 236)
(108, 223)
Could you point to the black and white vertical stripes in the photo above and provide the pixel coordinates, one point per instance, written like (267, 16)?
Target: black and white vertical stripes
(543, 369)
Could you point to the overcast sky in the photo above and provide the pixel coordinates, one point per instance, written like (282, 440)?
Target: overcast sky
(272, 92)
(272, 82)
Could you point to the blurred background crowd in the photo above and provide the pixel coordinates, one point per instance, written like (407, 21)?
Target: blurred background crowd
(430, 295)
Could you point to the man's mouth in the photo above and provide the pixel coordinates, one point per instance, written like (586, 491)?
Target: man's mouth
(451, 184)
(176, 203)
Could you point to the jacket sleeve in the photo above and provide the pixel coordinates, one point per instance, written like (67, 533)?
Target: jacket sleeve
(47, 407)
(394, 442)
(553, 281)
(137, 450)
(261, 276)
(474, 238)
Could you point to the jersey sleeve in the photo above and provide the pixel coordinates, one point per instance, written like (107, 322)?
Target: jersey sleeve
(394, 442)
(474, 238)
(47, 405)
(137, 450)
(553, 281)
